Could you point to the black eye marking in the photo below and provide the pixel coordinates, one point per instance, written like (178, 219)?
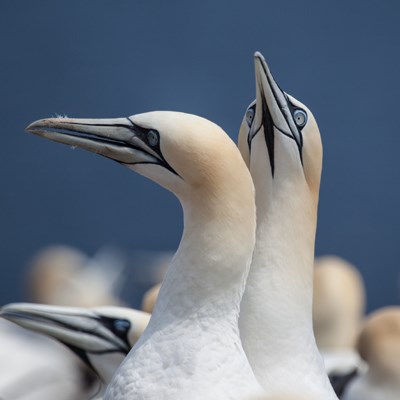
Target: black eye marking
(153, 137)
(121, 326)
(296, 111)
(250, 113)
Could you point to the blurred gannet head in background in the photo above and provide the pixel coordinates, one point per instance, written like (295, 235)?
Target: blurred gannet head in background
(101, 337)
(150, 298)
(198, 305)
(379, 344)
(63, 275)
(338, 304)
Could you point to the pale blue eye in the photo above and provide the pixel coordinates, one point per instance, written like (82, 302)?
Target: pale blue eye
(121, 325)
(152, 138)
(249, 116)
(300, 117)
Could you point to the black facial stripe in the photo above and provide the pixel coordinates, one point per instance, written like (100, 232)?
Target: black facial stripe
(292, 109)
(268, 125)
(118, 347)
(84, 357)
(123, 330)
(142, 134)
(138, 131)
(250, 136)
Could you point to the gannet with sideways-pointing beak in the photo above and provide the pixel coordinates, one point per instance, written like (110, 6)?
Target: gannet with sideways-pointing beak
(280, 141)
(191, 347)
(101, 337)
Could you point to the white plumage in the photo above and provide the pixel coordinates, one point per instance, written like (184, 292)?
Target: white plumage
(191, 347)
(280, 141)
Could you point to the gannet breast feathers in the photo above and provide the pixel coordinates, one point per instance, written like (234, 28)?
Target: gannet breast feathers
(191, 347)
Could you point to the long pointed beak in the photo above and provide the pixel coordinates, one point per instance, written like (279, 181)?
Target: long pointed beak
(273, 111)
(119, 139)
(80, 329)
(272, 101)
(269, 92)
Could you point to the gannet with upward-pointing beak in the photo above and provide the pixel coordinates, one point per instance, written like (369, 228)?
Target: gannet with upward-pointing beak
(101, 337)
(191, 347)
(280, 141)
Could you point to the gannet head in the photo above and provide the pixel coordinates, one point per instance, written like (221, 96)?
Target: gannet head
(188, 155)
(177, 150)
(279, 135)
(379, 344)
(338, 303)
(100, 336)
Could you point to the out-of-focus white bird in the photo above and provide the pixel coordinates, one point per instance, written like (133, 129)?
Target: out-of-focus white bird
(280, 141)
(36, 369)
(101, 337)
(338, 311)
(191, 347)
(379, 346)
(63, 275)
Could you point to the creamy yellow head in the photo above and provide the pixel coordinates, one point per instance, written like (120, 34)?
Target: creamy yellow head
(338, 303)
(52, 272)
(281, 129)
(188, 155)
(182, 152)
(379, 343)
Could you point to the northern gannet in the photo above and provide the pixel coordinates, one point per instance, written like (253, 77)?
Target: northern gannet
(280, 142)
(338, 311)
(379, 346)
(191, 347)
(101, 337)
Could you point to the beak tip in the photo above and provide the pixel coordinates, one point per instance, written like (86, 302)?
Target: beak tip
(37, 126)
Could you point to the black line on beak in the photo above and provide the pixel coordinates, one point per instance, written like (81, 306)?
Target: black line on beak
(268, 125)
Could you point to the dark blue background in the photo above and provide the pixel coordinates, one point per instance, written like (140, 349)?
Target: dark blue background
(105, 58)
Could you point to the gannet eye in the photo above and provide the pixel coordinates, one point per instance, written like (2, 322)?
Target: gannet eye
(121, 325)
(249, 116)
(300, 117)
(152, 138)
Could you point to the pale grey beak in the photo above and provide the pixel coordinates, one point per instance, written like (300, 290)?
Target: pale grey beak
(83, 330)
(119, 139)
(274, 111)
